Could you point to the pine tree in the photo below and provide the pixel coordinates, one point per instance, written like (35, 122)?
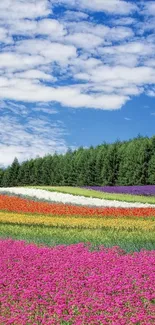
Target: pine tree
(14, 171)
(1, 176)
(111, 165)
(38, 179)
(46, 170)
(67, 168)
(6, 178)
(100, 158)
(125, 161)
(90, 168)
(24, 174)
(151, 170)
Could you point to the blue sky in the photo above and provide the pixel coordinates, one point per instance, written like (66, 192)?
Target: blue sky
(74, 73)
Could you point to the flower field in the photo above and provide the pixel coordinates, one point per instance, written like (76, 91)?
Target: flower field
(64, 262)
(71, 285)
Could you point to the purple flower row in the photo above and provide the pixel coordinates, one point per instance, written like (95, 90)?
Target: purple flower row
(147, 190)
(73, 285)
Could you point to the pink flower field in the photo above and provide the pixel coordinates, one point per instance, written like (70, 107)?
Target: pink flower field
(72, 285)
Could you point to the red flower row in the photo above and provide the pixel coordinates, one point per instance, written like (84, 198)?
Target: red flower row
(16, 204)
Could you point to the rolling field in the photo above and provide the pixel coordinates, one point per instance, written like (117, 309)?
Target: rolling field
(76, 262)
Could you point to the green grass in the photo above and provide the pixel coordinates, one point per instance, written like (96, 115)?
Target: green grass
(97, 194)
(127, 240)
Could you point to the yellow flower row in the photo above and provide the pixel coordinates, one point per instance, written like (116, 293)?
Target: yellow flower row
(80, 222)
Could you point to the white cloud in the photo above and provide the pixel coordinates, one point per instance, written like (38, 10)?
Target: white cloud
(149, 8)
(15, 61)
(129, 54)
(34, 74)
(151, 92)
(34, 137)
(46, 50)
(137, 47)
(112, 6)
(24, 111)
(120, 75)
(124, 21)
(100, 30)
(71, 15)
(44, 27)
(85, 40)
(16, 109)
(50, 27)
(49, 111)
(4, 37)
(28, 91)
(19, 9)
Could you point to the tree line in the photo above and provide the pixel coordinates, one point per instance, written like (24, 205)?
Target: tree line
(121, 163)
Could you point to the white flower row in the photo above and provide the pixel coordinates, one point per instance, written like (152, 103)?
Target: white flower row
(71, 199)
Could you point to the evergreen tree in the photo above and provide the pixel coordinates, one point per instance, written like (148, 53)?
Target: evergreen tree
(14, 171)
(111, 165)
(38, 178)
(6, 178)
(24, 174)
(90, 168)
(46, 170)
(1, 176)
(67, 168)
(151, 170)
(100, 159)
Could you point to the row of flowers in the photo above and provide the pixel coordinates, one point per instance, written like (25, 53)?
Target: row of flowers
(72, 199)
(72, 285)
(18, 204)
(146, 190)
(77, 222)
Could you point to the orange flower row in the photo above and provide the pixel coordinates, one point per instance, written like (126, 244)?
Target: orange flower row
(17, 204)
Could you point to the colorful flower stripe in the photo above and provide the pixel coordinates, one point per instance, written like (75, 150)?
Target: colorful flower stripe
(73, 199)
(80, 222)
(134, 240)
(71, 285)
(147, 190)
(16, 204)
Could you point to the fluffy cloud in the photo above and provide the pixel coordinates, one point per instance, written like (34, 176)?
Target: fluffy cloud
(113, 6)
(122, 75)
(149, 8)
(19, 9)
(34, 74)
(48, 51)
(45, 27)
(30, 91)
(85, 40)
(71, 15)
(100, 30)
